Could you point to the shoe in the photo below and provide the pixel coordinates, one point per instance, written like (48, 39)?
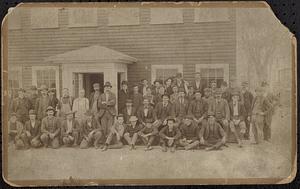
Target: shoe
(164, 149)
(131, 147)
(104, 148)
(240, 144)
(172, 149)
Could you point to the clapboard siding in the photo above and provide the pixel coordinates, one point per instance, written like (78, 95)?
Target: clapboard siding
(188, 43)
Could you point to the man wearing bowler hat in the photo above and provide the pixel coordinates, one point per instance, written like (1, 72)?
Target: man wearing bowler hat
(70, 130)
(21, 106)
(94, 98)
(123, 95)
(42, 103)
(107, 110)
(33, 131)
(50, 129)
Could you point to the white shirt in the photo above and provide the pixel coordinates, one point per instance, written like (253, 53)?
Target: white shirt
(32, 124)
(235, 108)
(146, 112)
(106, 97)
(69, 126)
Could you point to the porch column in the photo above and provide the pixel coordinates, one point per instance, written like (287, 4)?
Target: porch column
(112, 76)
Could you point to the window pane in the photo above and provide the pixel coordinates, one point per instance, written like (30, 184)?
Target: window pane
(169, 15)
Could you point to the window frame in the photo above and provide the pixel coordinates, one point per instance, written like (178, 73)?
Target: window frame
(154, 68)
(151, 22)
(18, 69)
(110, 15)
(224, 66)
(71, 23)
(38, 68)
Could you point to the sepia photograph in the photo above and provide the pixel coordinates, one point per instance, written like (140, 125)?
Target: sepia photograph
(147, 93)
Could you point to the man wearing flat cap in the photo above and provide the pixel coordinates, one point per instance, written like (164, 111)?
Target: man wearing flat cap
(107, 109)
(131, 131)
(247, 98)
(33, 131)
(42, 103)
(50, 129)
(21, 106)
(181, 106)
(123, 95)
(128, 111)
(260, 107)
(169, 135)
(189, 133)
(94, 98)
(212, 135)
(70, 130)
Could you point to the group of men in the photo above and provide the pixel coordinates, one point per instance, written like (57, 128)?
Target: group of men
(173, 113)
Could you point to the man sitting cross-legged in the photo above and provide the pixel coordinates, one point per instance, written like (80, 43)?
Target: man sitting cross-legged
(33, 131)
(113, 140)
(211, 134)
(91, 131)
(189, 133)
(16, 132)
(131, 131)
(169, 135)
(148, 134)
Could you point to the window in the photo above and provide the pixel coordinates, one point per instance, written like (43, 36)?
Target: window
(210, 72)
(211, 15)
(44, 18)
(166, 15)
(83, 17)
(164, 71)
(46, 75)
(14, 18)
(123, 16)
(14, 79)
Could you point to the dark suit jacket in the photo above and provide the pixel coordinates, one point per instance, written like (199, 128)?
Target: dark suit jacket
(36, 131)
(198, 108)
(109, 107)
(263, 105)
(64, 127)
(200, 88)
(215, 133)
(163, 112)
(247, 99)
(150, 116)
(181, 110)
(126, 115)
(137, 100)
(47, 125)
(95, 125)
(241, 111)
(91, 98)
(122, 97)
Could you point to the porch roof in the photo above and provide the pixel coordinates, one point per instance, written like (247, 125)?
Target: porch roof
(92, 54)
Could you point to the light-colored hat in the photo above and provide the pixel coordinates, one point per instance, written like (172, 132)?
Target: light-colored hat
(50, 108)
(133, 118)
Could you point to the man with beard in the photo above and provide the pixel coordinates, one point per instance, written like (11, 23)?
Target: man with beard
(42, 103)
(123, 95)
(21, 106)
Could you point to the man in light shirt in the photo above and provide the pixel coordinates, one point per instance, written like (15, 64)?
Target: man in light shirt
(80, 106)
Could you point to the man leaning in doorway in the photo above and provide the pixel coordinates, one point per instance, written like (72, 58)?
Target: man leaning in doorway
(107, 110)
(94, 98)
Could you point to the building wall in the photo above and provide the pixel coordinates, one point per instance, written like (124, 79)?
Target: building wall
(186, 43)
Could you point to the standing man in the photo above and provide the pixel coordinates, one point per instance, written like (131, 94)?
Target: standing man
(146, 113)
(163, 110)
(137, 97)
(50, 129)
(94, 98)
(159, 95)
(221, 111)
(198, 109)
(181, 106)
(131, 131)
(65, 104)
(107, 109)
(168, 86)
(191, 94)
(128, 111)
(226, 94)
(213, 87)
(123, 95)
(260, 107)
(53, 101)
(33, 96)
(144, 86)
(21, 106)
(180, 82)
(80, 106)
(247, 99)
(174, 95)
(157, 84)
(208, 98)
(33, 131)
(42, 103)
(70, 130)
(197, 84)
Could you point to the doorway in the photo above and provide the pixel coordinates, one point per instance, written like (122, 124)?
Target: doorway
(86, 80)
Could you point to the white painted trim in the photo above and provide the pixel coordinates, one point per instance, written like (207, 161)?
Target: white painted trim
(179, 67)
(34, 76)
(212, 66)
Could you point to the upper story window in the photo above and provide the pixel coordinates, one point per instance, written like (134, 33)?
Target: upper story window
(44, 18)
(123, 16)
(211, 15)
(166, 15)
(83, 17)
(14, 18)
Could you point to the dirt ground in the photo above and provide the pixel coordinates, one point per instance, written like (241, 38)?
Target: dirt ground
(270, 159)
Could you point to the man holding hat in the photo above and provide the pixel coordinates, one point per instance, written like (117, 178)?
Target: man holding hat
(33, 131)
(237, 117)
(148, 134)
(189, 133)
(21, 106)
(123, 95)
(163, 110)
(33, 96)
(221, 110)
(16, 131)
(128, 111)
(181, 106)
(91, 131)
(260, 107)
(247, 98)
(42, 103)
(198, 109)
(107, 110)
(169, 135)
(137, 97)
(131, 131)
(70, 130)
(94, 98)
(212, 135)
(50, 129)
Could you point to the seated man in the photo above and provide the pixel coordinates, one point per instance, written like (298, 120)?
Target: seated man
(91, 131)
(212, 135)
(163, 110)
(131, 131)
(189, 133)
(16, 132)
(148, 134)
(50, 129)
(70, 130)
(237, 115)
(146, 112)
(113, 140)
(169, 135)
(33, 131)
(198, 109)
